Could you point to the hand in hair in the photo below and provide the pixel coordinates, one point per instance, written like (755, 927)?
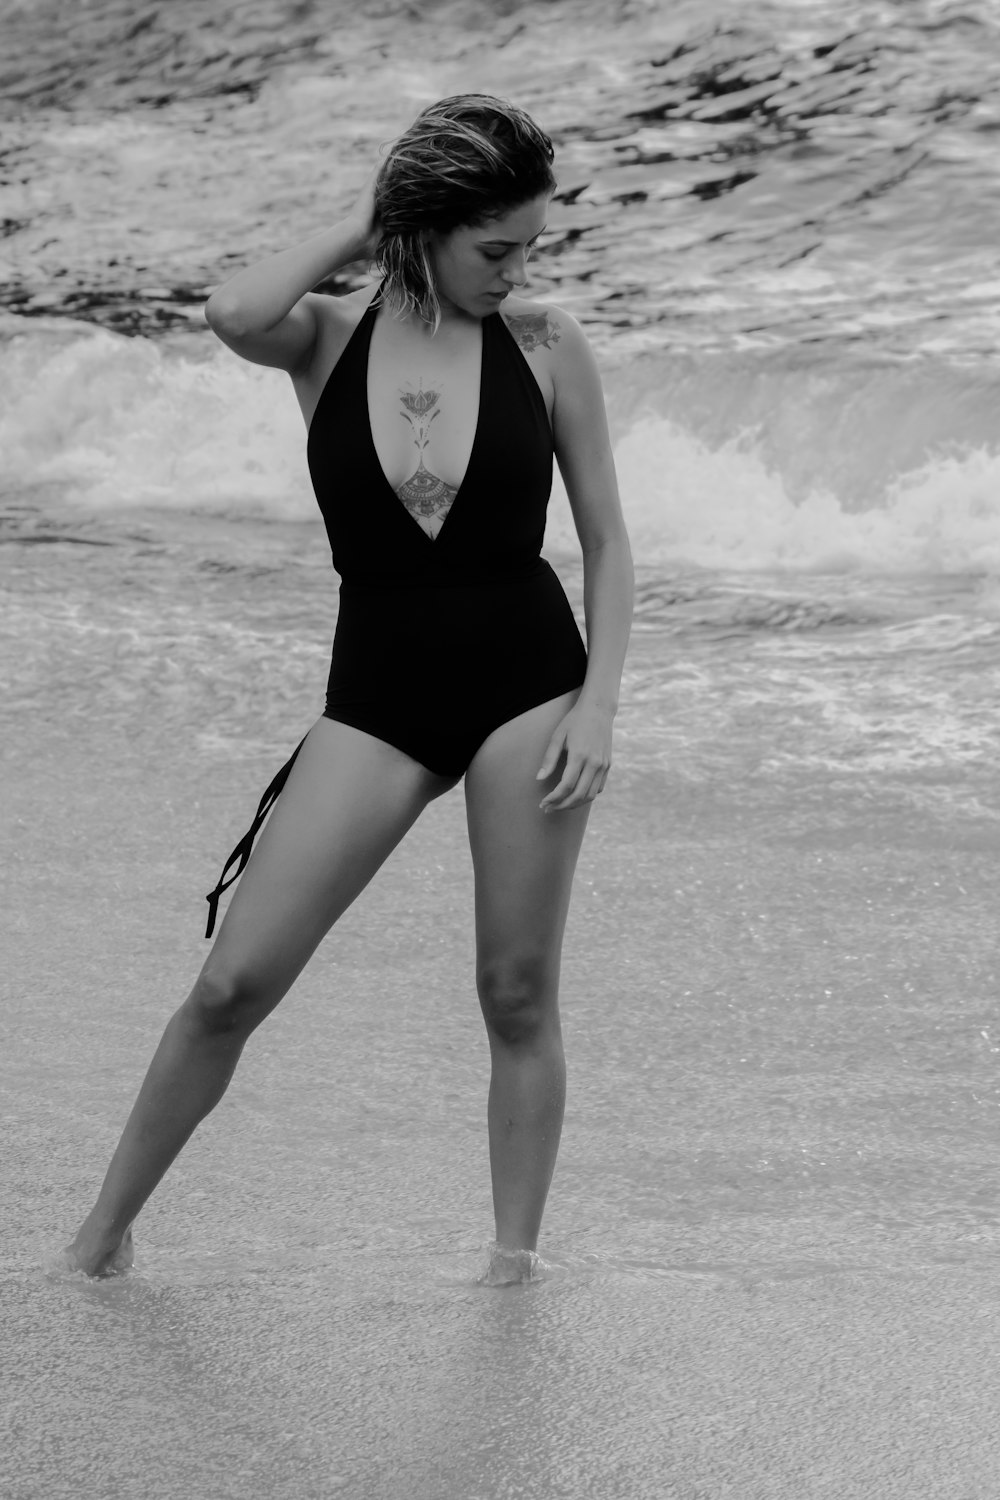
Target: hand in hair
(362, 213)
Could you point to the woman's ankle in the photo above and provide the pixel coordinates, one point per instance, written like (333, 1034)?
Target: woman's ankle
(509, 1266)
(100, 1250)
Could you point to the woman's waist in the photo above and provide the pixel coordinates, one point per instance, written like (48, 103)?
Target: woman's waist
(388, 635)
(515, 610)
(500, 576)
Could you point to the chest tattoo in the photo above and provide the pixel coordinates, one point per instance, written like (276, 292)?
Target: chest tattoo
(427, 498)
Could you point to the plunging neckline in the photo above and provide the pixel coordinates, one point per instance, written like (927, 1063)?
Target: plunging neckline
(372, 313)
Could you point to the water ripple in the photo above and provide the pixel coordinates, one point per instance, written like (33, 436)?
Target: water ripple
(703, 157)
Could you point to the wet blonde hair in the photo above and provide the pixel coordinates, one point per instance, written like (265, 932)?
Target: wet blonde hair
(463, 161)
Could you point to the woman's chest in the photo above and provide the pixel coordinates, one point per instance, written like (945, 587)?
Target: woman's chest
(423, 410)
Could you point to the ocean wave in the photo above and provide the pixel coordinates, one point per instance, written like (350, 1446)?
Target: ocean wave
(744, 482)
(821, 171)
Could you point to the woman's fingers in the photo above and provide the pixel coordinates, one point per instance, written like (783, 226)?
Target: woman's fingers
(551, 757)
(585, 770)
(556, 798)
(581, 782)
(362, 211)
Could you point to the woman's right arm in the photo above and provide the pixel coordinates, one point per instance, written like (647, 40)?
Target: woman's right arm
(264, 313)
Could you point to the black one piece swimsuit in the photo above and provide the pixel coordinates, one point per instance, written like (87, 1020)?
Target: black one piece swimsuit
(439, 640)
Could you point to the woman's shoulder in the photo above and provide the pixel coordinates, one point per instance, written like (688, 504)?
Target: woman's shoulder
(549, 337)
(538, 326)
(337, 317)
(559, 355)
(335, 320)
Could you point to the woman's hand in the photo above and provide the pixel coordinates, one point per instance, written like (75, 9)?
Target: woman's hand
(583, 741)
(361, 214)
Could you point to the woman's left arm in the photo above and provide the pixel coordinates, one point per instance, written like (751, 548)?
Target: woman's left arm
(583, 450)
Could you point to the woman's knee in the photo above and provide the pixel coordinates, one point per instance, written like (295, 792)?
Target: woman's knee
(518, 997)
(224, 1001)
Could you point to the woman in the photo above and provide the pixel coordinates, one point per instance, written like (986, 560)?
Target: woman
(456, 653)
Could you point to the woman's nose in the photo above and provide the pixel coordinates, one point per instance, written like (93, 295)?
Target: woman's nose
(516, 270)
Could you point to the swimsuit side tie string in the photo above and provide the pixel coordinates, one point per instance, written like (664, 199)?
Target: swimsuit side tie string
(241, 854)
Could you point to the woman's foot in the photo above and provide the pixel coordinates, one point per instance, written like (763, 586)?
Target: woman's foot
(510, 1267)
(99, 1257)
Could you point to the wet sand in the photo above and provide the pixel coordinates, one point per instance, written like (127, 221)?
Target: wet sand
(371, 1380)
(772, 1237)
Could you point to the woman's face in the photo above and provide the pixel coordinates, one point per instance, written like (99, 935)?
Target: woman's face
(475, 266)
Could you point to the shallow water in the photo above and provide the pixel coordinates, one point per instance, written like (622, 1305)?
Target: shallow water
(780, 1018)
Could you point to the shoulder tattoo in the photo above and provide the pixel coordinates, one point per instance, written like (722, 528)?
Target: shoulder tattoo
(533, 331)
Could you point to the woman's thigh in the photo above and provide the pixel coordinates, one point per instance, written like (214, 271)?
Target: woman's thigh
(348, 800)
(524, 859)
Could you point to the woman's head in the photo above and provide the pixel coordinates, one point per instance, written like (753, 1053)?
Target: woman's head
(464, 163)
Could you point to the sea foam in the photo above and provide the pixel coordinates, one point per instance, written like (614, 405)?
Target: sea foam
(112, 422)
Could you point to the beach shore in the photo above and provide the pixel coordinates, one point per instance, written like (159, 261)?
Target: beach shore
(772, 1239)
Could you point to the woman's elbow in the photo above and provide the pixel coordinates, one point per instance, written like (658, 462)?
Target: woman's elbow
(607, 539)
(225, 316)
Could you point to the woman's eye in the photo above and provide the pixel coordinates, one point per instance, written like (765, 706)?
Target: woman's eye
(498, 255)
